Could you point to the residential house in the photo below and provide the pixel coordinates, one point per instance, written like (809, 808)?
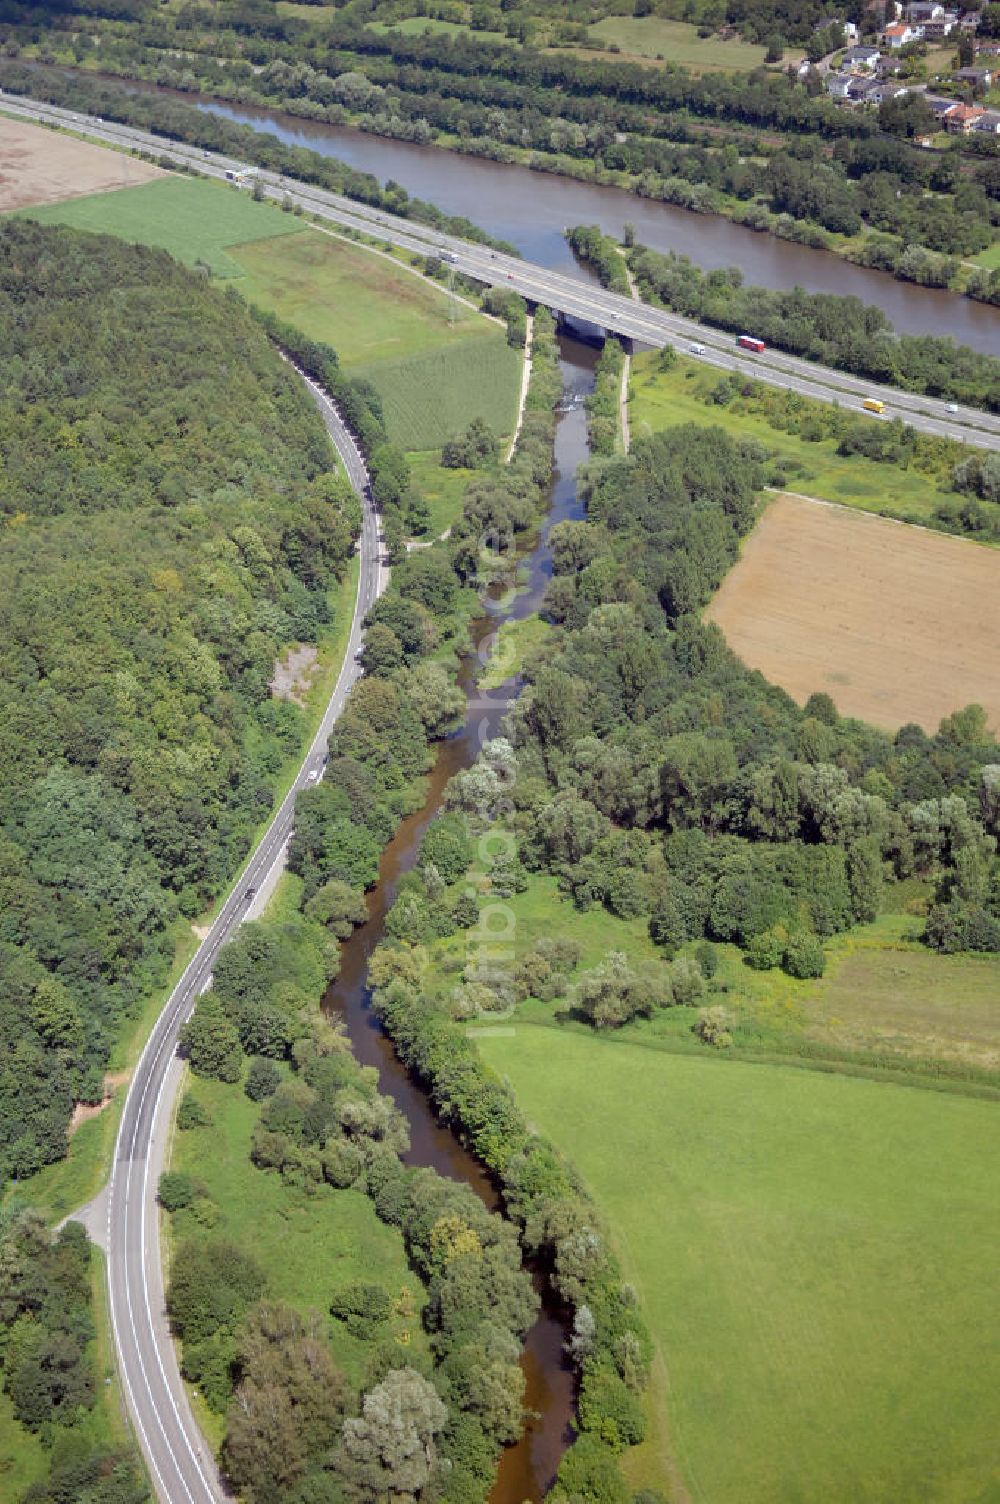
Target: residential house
(988, 123)
(935, 19)
(861, 57)
(978, 78)
(962, 119)
(849, 28)
(940, 108)
(940, 27)
(838, 85)
(900, 34)
(922, 11)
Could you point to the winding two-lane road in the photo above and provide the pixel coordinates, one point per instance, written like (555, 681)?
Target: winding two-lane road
(180, 1463)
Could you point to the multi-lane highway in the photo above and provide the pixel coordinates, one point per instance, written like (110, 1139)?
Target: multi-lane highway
(577, 297)
(180, 1463)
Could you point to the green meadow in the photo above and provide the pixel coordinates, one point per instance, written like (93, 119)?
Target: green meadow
(660, 399)
(435, 362)
(428, 398)
(192, 218)
(815, 1255)
(675, 42)
(443, 489)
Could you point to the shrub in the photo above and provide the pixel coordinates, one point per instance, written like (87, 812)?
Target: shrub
(609, 1409)
(362, 1308)
(714, 1027)
(263, 1079)
(191, 1114)
(707, 958)
(804, 956)
(767, 950)
(176, 1190)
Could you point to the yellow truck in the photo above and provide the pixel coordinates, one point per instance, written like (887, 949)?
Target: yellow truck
(873, 405)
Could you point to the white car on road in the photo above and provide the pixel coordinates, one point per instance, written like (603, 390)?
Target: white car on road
(696, 348)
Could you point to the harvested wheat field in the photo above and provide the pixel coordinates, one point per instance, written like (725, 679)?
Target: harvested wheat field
(39, 166)
(895, 623)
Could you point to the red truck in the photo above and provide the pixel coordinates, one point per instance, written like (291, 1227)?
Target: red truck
(751, 342)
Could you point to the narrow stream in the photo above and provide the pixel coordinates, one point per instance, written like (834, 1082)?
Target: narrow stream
(527, 1468)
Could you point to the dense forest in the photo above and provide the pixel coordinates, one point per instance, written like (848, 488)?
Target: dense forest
(47, 1364)
(836, 331)
(763, 148)
(171, 524)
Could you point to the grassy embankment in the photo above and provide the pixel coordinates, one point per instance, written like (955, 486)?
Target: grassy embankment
(813, 1254)
(435, 362)
(662, 398)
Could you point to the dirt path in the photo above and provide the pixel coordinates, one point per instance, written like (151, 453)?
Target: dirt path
(525, 381)
(627, 367)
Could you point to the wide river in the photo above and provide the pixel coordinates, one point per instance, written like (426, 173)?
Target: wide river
(531, 210)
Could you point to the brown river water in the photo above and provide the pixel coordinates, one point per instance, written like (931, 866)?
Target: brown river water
(527, 1468)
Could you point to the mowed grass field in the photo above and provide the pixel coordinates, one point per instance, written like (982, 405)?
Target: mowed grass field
(435, 362)
(815, 1255)
(661, 399)
(429, 398)
(676, 42)
(886, 993)
(195, 220)
(895, 623)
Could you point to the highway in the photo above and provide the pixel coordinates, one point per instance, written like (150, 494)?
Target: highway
(577, 297)
(180, 1463)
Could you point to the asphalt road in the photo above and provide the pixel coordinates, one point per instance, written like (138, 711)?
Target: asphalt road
(180, 1463)
(577, 297)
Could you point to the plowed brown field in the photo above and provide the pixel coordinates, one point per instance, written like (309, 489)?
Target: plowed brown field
(895, 623)
(39, 166)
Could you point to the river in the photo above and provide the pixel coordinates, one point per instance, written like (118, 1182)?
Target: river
(527, 1468)
(531, 210)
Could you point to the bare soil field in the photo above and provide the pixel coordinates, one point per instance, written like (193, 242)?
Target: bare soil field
(895, 623)
(39, 166)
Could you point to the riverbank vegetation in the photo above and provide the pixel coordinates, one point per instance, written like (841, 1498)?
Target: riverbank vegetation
(765, 149)
(835, 331)
(672, 799)
(322, 1126)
